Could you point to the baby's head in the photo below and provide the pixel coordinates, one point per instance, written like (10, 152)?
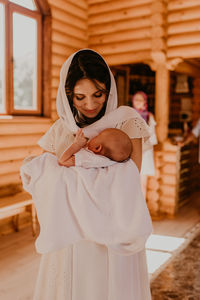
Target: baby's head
(112, 143)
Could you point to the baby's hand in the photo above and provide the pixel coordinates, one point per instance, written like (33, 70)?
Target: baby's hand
(68, 163)
(80, 139)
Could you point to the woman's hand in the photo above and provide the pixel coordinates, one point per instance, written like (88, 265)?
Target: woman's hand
(80, 139)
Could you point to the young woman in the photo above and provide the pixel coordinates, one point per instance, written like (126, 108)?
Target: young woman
(87, 270)
(140, 103)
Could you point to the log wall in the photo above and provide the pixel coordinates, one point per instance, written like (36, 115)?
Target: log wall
(183, 28)
(18, 136)
(121, 30)
(69, 34)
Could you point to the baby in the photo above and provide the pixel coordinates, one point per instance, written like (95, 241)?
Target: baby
(111, 143)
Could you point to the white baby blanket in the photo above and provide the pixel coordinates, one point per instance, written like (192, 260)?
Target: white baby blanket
(104, 205)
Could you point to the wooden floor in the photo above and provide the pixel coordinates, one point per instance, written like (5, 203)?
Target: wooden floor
(18, 265)
(19, 262)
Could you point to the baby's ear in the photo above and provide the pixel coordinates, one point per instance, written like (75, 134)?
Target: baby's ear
(97, 149)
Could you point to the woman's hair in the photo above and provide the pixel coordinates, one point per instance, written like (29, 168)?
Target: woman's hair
(87, 64)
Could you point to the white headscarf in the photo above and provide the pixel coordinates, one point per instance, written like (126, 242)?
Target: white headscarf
(62, 102)
(61, 133)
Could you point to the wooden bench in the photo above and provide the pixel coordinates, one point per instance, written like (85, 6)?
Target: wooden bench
(12, 206)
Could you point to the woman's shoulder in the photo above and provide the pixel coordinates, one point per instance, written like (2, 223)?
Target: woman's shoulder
(135, 128)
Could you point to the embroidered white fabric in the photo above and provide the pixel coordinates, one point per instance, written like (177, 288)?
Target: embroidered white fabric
(56, 139)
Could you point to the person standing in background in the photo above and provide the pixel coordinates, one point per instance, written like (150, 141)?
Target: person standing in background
(140, 103)
(192, 136)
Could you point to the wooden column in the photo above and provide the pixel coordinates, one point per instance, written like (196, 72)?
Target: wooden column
(162, 102)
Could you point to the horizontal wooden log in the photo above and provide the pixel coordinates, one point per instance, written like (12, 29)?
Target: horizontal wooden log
(168, 209)
(157, 173)
(127, 58)
(10, 166)
(169, 169)
(169, 157)
(168, 190)
(23, 120)
(7, 179)
(54, 115)
(152, 196)
(23, 128)
(69, 7)
(183, 4)
(104, 7)
(53, 105)
(55, 82)
(183, 39)
(10, 189)
(168, 146)
(18, 153)
(153, 207)
(158, 162)
(188, 51)
(58, 60)
(54, 93)
(183, 27)
(127, 35)
(66, 17)
(73, 31)
(55, 71)
(123, 47)
(80, 3)
(61, 50)
(153, 184)
(167, 200)
(123, 14)
(65, 39)
(168, 179)
(186, 15)
(19, 141)
(188, 68)
(96, 1)
(139, 23)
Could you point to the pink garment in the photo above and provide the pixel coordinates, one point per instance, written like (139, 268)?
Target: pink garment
(144, 112)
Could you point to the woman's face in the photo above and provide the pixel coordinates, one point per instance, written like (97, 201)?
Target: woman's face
(139, 102)
(87, 99)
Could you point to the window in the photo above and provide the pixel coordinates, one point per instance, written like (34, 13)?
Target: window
(20, 57)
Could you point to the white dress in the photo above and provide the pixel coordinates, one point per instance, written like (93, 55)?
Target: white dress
(87, 270)
(148, 167)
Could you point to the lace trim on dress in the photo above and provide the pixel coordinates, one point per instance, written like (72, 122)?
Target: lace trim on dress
(135, 128)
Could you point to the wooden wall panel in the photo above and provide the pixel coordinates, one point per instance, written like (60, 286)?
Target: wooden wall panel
(18, 136)
(69, 34)
(18, 139)
(120, 30)
(183, 28)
